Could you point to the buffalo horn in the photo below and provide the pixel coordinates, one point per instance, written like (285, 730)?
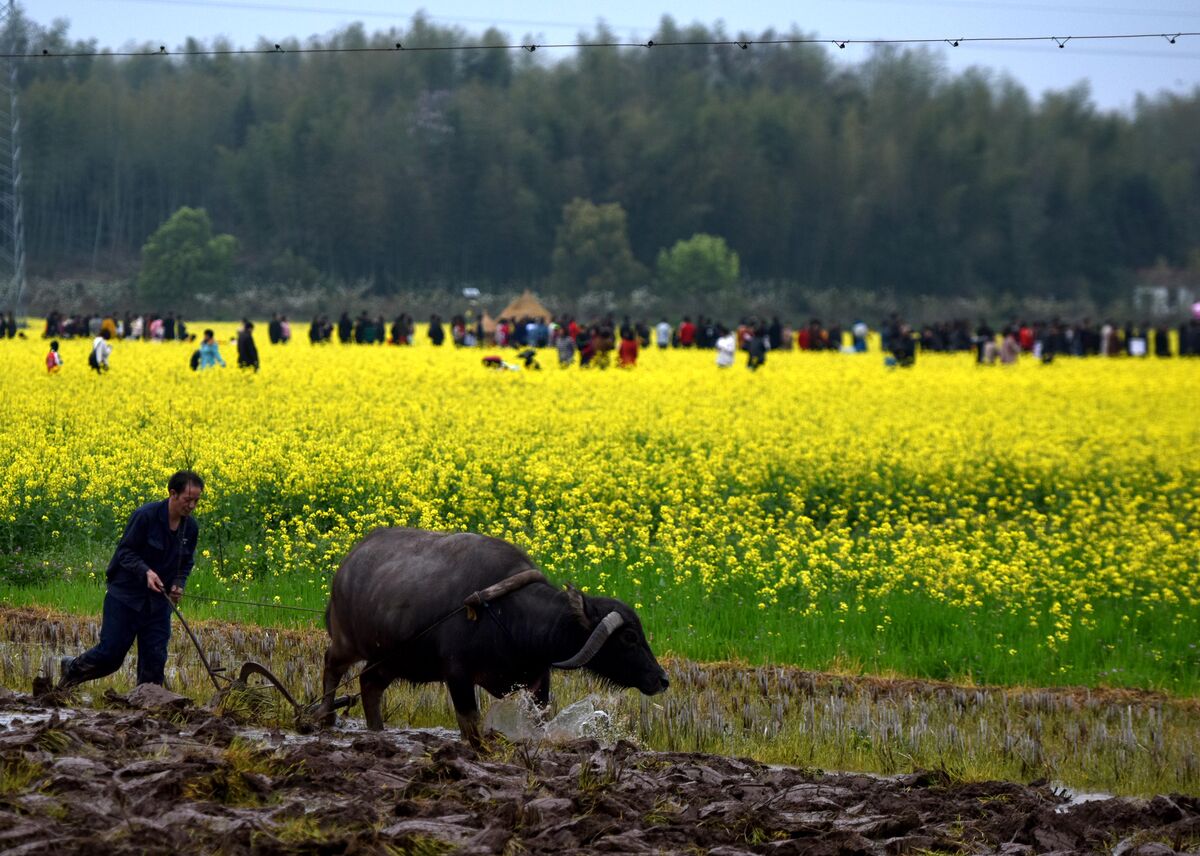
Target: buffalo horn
(599, 636)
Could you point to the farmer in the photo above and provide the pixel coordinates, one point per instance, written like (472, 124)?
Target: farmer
(151, 563)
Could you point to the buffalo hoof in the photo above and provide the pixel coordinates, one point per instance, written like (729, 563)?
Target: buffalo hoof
(468, 727)
(322, 720)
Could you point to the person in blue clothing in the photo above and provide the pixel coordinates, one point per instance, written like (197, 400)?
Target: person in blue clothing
(151, 564)
(210, 351)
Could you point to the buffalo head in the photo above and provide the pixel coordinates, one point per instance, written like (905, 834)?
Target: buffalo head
(616, 648)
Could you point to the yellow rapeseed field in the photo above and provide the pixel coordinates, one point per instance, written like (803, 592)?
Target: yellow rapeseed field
(1028, 523)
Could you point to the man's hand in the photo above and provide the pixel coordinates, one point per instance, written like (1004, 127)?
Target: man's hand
(153, 582)
(175, 595)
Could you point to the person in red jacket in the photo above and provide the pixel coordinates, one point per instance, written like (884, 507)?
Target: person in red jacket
(1025, 337)
(687, 333)
(627, 351)
(53, 358)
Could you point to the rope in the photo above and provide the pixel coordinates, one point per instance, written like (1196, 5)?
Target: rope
(213, 676)
(199, 597)
(370, 666)
(479, 598)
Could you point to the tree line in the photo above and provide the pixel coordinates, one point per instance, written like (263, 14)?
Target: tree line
(409, 169)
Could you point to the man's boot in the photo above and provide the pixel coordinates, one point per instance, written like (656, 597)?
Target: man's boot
(65, 678)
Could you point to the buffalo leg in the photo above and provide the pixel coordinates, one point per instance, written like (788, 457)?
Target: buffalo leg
(331, 678)
(373, 681)
(462, 694)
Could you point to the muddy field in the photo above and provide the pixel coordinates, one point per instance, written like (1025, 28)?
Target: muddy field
(152, 773)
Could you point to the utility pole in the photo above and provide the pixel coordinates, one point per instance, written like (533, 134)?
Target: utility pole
(12, 216)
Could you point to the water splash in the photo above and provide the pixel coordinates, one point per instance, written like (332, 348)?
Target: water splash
(1074, 797)
(518, 717)
(581, 719)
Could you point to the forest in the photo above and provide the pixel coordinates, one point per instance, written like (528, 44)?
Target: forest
(410, 169)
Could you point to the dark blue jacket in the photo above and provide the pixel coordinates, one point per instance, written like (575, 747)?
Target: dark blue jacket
(148, 543)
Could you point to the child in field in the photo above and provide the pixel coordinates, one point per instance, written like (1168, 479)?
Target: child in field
(210, 352)
(529, 355)
(726, 347)
(101, 350)
(53, 358)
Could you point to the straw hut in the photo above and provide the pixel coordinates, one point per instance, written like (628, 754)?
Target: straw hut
(526, 306)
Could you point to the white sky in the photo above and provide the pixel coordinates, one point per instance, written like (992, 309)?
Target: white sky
(1115, 71)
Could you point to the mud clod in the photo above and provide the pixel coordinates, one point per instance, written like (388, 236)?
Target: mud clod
(156, 776)
(149, 697)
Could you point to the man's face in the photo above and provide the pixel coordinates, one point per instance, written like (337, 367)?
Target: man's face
(184, 502)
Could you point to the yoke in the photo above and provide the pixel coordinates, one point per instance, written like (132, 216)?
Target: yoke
(500, 589)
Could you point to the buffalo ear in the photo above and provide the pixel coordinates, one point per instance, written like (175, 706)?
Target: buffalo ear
(577, 606)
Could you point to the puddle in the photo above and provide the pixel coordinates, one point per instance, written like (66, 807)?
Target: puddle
(343, 734)
(1074, 797)
(24, 718)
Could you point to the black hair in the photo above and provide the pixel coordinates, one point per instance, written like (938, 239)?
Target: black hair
(179, 482)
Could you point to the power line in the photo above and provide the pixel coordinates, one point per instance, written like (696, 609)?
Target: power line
(1174, 55)
(744, 44)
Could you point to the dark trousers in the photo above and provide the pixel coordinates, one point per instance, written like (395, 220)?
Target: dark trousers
(122, 624)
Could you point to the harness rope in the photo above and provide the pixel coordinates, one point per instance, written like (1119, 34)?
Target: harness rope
(471, 604)
(199, 597)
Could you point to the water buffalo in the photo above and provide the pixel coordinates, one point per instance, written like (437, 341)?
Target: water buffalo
(398, 602)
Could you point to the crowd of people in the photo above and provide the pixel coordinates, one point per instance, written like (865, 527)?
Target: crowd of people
(1045, 340)
(604, 342)
(153, 328)
(595, 343)
(104, 329)
(363, 330)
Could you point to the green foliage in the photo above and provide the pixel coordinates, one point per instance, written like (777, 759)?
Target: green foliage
(591, 252)
(702, 263)
(890, 175)
(241, 778)
(18, 774)
(184, 258)
(292, 270)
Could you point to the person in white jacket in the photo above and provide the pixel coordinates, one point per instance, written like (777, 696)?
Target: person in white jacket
(100, 352)
(726, 348)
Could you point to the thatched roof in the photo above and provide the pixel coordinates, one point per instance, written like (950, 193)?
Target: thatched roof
(526, 306)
